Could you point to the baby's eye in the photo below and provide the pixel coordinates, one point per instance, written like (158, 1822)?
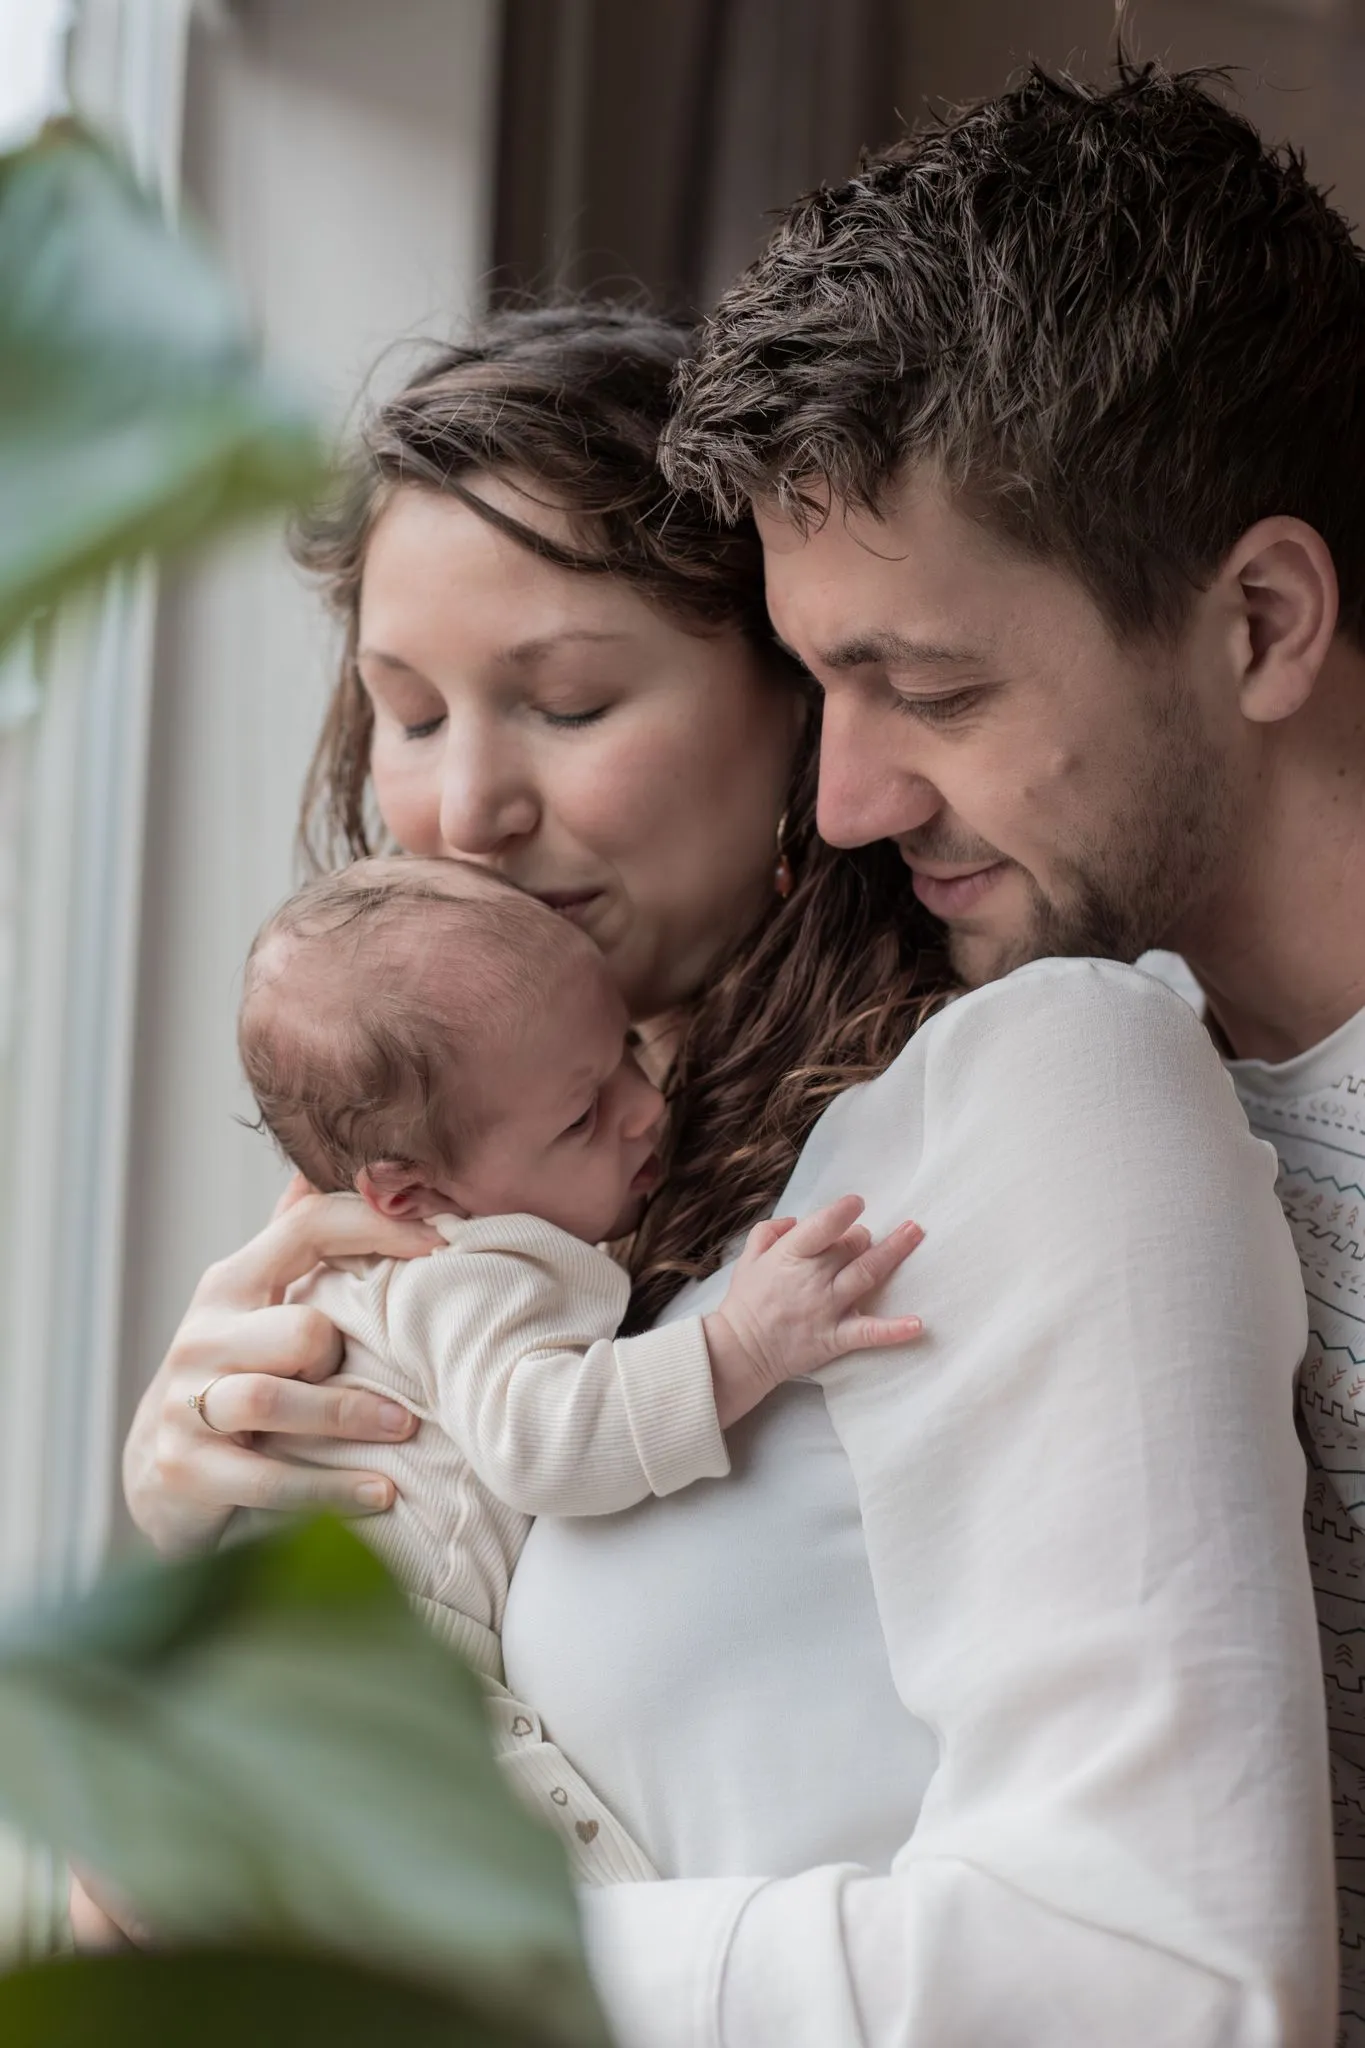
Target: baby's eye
(582, 1123)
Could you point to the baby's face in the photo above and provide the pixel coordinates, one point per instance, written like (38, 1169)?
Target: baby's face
(571, 1126)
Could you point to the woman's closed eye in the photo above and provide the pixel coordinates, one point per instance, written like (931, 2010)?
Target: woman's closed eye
(425, 728)
(573, 721)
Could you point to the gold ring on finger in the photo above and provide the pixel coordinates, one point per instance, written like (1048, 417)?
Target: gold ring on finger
(196, 1401)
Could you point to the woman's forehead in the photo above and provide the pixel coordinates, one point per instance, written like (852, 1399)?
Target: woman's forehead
(434, 565)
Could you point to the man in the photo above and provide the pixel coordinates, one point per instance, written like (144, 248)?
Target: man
(1054, 423)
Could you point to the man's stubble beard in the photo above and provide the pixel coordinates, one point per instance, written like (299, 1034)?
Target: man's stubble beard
(1125, 892)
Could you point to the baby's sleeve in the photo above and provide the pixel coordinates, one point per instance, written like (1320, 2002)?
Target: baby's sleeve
(514, 1339)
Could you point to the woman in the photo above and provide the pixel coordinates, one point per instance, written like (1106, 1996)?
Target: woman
(979, 1702)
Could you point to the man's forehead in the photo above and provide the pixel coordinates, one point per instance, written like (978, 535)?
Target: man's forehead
(917, 584)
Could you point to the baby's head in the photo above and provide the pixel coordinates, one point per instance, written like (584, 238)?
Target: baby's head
(423, 1032)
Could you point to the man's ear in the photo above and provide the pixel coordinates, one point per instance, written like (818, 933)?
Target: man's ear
(397, 1190)
(1287, 589)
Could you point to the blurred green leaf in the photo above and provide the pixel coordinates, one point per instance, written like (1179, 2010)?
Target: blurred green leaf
(266, 1748)
(134, 412)
(228, 1999)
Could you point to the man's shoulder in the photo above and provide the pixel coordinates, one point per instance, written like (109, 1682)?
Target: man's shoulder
(1063, 1004)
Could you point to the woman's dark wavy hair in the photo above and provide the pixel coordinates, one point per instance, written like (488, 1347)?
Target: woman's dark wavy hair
(831, 982)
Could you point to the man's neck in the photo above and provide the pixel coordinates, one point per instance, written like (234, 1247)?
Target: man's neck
(1279, 944)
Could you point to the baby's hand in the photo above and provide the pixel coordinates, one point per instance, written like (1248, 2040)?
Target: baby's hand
(792, 1303)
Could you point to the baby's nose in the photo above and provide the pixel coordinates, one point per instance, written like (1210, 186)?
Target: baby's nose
(647, 1111)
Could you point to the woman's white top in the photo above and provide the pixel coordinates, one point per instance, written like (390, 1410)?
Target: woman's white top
(774, 1696)
(1080, 1496)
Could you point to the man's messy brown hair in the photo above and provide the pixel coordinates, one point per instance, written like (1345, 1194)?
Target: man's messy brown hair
(829, 984)
(1111, 319)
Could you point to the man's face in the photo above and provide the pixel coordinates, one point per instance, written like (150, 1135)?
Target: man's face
(1051, 791)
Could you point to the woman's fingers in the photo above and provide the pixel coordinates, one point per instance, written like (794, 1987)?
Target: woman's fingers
(295, 1340)
(298, 1190)
(876, 1264)
(235, 1477)
(242, 1403)
(318, 1227)
(99, 1920)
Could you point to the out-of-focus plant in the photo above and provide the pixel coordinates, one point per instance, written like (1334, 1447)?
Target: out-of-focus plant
(135, 413)
(271, 1760)
(262, 1752)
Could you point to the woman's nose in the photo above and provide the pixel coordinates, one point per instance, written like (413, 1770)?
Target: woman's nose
(485, 798)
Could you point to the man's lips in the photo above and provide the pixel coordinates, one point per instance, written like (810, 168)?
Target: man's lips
(953, 895)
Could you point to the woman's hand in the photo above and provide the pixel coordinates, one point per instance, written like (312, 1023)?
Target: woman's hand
(183, 1478)
(98, 1921)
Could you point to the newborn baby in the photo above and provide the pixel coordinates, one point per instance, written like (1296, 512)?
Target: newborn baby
(423, 1034)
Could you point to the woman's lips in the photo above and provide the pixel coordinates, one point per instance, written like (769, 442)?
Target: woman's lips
(954, 895)
(570, 903)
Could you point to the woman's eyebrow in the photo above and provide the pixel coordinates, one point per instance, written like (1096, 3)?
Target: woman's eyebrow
(526, 653)
(382, 660)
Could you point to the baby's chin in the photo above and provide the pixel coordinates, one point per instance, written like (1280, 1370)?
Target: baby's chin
(627, 1220)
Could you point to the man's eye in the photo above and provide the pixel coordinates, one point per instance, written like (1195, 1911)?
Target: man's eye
(938, 710)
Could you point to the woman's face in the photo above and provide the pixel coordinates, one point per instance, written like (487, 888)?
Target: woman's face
(554, 727)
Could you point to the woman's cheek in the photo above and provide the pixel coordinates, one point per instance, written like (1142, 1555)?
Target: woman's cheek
(625, 802)
(409, 803)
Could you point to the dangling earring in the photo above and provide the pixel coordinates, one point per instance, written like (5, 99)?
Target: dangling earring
(783, 879)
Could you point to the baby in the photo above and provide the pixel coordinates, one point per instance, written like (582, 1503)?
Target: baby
(423, 1034)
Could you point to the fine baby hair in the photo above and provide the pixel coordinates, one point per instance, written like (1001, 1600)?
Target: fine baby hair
(368, 997)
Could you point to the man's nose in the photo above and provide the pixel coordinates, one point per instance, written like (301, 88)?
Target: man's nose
(869, 788)
(486, 799)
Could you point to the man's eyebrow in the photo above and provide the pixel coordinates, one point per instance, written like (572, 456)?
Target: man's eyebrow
(896, 650)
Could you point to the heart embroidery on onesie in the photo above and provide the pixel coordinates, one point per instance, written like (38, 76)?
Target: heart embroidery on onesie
(586, 1830)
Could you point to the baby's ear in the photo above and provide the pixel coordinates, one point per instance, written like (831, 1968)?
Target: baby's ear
(397, 1190)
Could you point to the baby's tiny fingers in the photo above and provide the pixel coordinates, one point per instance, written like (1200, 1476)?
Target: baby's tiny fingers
(876, 1264)
(852, 1245)
(876, 1333)
(766, 1234)
(817, 1233)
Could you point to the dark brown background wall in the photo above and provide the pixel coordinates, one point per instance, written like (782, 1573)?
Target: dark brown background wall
(642, 142)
